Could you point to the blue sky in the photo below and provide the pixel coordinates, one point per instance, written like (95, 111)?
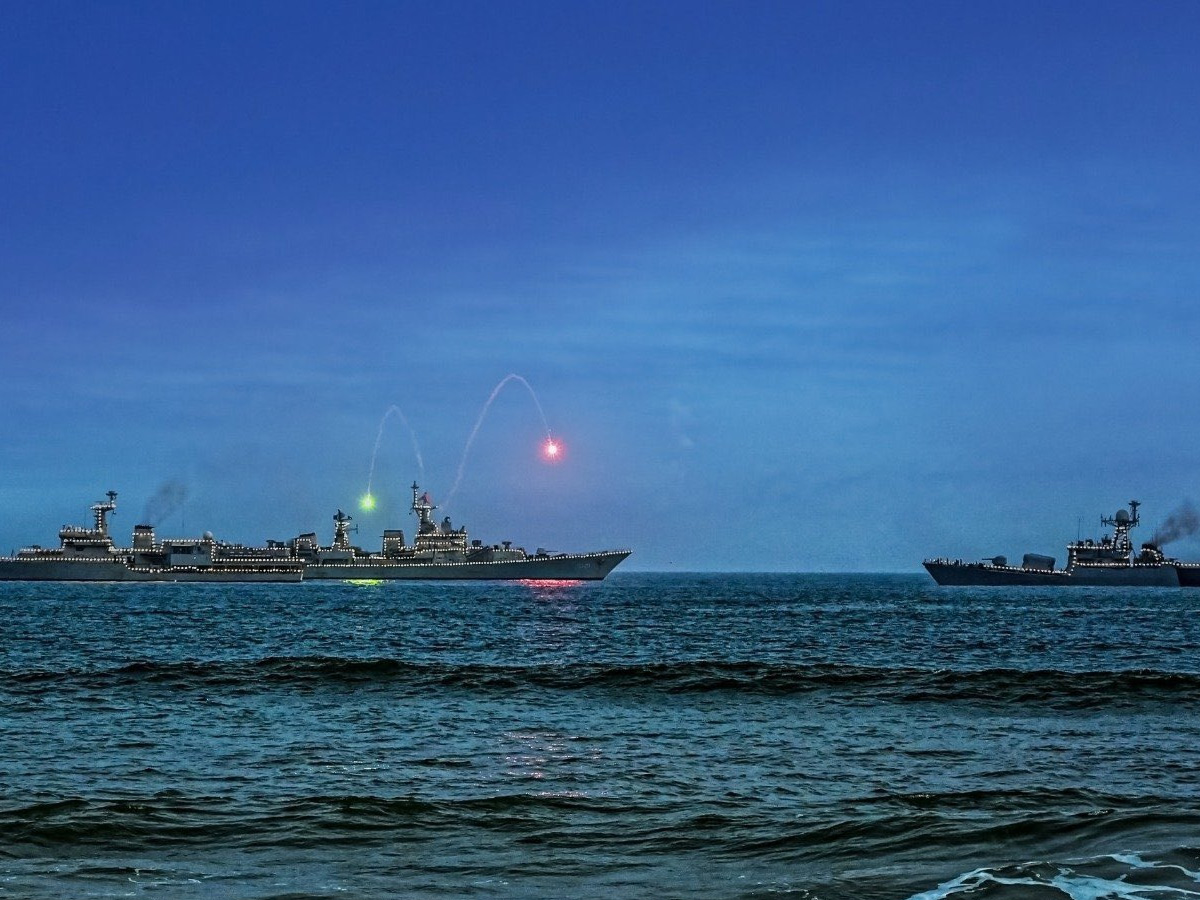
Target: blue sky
(800, 286)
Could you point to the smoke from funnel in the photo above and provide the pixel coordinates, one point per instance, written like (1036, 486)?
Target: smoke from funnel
(169, 497)
(1182, 522)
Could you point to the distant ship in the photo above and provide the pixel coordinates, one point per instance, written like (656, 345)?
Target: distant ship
(1109, 562)
(89, 554)
(440, 551)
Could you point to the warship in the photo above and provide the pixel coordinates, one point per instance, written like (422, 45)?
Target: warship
(89, 554)
(440, 551)
(1108, 562)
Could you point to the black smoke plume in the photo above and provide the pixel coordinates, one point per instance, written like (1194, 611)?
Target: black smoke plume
(1182, 522)
(169, 497)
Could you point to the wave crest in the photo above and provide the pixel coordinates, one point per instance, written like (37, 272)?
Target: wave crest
(998, 685)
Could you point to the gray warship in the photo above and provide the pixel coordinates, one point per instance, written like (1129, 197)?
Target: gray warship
(89, 554)
(440, 551)
(1108, 562)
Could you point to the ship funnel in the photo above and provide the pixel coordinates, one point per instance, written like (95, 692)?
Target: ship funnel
(143, 537)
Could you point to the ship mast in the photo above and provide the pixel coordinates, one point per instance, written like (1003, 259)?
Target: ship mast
(100, 510)
(1121, 523)
(341, 531)
(423, 507)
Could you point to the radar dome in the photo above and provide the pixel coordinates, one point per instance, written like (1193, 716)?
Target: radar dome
(208, 535)
(1122, 516)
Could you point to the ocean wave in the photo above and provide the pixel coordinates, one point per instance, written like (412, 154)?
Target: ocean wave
(168, 819)
(888, 827)
(1117, 876)
(1003, 685)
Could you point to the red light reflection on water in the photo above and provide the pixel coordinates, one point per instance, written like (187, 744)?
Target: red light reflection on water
(548, 587)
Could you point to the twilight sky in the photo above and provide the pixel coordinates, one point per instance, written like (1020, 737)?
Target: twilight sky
(800, 286)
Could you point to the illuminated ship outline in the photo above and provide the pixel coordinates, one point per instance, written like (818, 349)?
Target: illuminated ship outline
(439, 552)
(89, 554)
(1109, 562)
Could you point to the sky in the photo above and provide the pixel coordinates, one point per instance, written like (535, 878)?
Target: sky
(798, 286)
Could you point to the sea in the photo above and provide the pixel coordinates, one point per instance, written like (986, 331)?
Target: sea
(649, 736)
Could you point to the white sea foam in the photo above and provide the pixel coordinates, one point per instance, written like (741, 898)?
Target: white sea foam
(1073, 883)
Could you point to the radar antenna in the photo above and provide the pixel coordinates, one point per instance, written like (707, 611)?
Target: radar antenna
(342, 529)
(1121, 523)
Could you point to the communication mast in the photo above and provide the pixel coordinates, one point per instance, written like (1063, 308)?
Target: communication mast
(100, 511)
(1121, 523)
(423, 507)
(341, 530)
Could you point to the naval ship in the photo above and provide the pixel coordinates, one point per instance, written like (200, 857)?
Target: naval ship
(440, 551)
(1109, 562)
(89, 554)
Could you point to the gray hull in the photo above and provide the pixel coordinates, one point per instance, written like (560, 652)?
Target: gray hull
(118, 570)
(985, 575)
(1189, 574)
(573, 567)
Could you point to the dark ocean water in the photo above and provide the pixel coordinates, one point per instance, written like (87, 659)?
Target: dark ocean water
(707, 736)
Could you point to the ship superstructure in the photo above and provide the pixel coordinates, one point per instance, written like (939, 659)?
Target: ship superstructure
(90, 554)
(1108, 562)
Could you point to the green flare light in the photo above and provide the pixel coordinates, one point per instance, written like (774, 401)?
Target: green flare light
(367, 502)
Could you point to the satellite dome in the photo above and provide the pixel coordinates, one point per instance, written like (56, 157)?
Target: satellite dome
(1122, 516)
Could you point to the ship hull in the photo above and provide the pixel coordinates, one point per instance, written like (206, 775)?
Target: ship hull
(99, 570)
(984, 575)
(573, 567)
(1189, 574)
(580, 567)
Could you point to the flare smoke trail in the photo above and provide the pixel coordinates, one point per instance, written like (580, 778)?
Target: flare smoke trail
(1183, 522)
(462, 464)
(396, 411)
(169, 497)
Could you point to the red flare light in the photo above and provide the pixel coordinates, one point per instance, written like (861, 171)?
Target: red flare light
(552, 450)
